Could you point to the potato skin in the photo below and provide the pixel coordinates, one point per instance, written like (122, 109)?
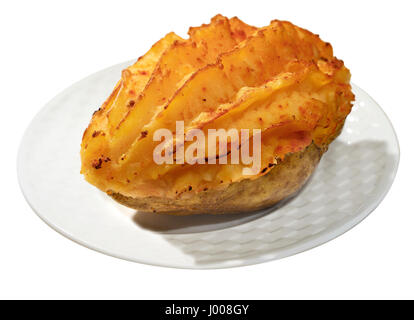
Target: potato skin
(283, 180)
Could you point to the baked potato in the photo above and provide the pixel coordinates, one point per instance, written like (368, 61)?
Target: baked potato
(279, 81)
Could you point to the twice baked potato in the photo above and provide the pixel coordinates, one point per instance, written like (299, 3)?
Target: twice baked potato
(279, 80)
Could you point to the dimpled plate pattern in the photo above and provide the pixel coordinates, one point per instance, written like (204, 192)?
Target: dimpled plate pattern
(350, 181)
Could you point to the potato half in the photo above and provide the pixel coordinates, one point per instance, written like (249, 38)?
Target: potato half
(280, 79)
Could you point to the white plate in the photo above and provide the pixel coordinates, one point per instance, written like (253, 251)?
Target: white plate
(351, 180)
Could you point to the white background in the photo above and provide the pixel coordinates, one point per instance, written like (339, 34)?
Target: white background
(48, 45)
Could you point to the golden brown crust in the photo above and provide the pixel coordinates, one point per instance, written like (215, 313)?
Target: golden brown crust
(280, 79)
(283, 180)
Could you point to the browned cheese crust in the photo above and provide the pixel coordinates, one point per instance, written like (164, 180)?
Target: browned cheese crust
(280, 79)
